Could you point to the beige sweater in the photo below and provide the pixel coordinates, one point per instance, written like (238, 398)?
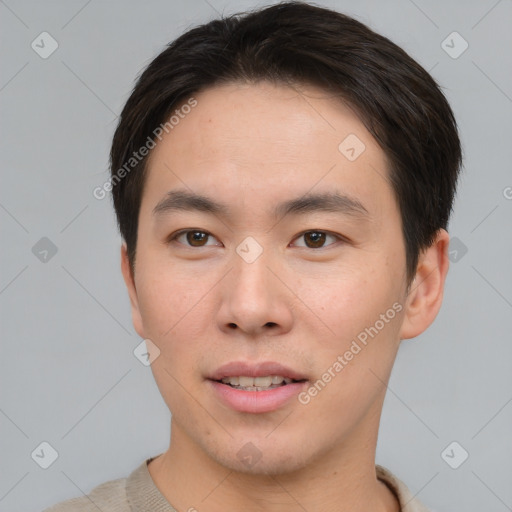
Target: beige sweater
(138, 493)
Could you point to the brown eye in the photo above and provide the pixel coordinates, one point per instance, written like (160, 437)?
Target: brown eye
(314, 239)
(196, 238)
(192, 238)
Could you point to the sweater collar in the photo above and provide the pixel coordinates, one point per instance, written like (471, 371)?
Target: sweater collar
(143, 494)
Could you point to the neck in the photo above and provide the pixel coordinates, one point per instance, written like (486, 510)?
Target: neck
(341, 480)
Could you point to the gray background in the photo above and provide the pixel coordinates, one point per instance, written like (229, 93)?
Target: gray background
(68, 373)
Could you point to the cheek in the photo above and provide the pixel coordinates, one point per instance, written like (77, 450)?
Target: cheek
(362, 309)
(177, 310)
(171, 310)
(167, 294)
(159, 306)
(353, 363)
(348, 300)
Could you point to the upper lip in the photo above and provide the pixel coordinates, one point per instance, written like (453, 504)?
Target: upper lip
(259, 369)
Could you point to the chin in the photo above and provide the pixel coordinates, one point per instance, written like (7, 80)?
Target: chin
(261, 458)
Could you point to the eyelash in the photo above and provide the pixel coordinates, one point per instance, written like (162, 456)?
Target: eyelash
(176, 235)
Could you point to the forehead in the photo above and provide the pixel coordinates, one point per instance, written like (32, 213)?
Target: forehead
(261, 141)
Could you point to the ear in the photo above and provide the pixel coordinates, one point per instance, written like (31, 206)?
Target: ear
(132, 291)
(426, 291)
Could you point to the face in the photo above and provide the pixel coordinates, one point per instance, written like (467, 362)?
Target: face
(294, 256)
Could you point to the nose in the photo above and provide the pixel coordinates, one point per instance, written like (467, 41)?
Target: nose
(255, 299)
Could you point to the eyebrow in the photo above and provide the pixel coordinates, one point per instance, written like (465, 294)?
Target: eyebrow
(183, 200)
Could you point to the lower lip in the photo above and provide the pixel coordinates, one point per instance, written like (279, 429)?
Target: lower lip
(257, 401)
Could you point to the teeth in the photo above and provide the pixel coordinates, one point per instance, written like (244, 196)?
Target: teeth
(263, 382)
(246, 381)
(259, 382)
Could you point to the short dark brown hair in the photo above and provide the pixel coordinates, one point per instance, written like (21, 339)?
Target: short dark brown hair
(294, 43)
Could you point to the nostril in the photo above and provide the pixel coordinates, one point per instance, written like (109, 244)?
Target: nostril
(271, 324)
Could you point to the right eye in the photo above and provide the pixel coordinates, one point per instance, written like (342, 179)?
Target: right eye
(191, 237)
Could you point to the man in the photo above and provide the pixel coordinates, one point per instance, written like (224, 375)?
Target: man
(283, 182)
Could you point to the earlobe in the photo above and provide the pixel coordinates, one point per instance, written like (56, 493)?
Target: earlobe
(426, 292)
(129, 280)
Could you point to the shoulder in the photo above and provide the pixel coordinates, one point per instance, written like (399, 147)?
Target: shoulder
(108, 497)
(408, 503)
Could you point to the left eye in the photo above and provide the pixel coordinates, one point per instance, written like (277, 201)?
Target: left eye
(316, 239)
(194, 237)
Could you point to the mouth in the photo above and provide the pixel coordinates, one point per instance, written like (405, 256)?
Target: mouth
(247, 383)
(256, 388)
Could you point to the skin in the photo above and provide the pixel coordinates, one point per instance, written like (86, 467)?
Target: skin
(251, 147)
